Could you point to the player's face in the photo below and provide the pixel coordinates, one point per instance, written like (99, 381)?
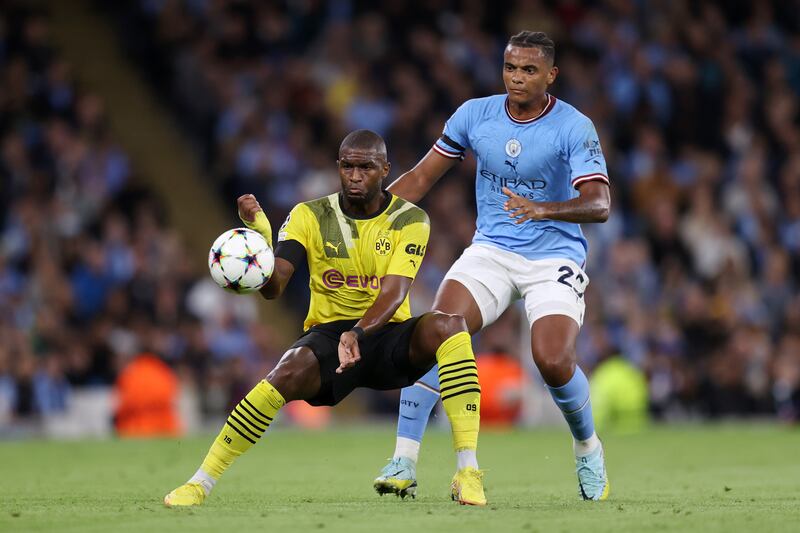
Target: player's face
(526, 74)
(362, 173)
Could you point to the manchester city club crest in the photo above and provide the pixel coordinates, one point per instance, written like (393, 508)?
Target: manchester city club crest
(513, 147)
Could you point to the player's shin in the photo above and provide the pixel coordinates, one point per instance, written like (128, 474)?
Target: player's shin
(416, 403)
(243, 428)
(461, 393)
(573, 400)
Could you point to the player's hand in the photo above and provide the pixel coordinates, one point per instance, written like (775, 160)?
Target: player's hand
(248, 207)
(522, 209)
(349, 354)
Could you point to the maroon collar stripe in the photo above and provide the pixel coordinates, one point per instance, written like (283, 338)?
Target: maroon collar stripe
(551, 102)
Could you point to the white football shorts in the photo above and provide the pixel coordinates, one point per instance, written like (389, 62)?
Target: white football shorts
(496, 278)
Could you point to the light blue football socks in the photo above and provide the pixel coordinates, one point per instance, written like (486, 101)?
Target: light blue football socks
(573, 400)
(416, 404)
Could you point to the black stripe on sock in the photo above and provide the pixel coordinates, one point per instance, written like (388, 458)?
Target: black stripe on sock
(244, 426)
(442, 367)
(254, 417)
(254, 408)
(250, 422)
(462, 369)
(460, 392)
(240, 433)
(468, 374)
(451, 387)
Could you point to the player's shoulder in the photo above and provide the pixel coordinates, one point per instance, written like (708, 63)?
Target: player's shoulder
(402, 213)
(484, 105)
(318, 206)
(568, 115)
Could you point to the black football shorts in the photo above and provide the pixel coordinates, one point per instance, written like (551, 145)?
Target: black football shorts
(384, 363)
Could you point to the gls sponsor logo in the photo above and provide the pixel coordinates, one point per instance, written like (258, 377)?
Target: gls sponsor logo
(416, 249)
(333, 279)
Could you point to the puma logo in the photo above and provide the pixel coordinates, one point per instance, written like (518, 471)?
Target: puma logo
(331, 245)
(513, 166)
(414, 263)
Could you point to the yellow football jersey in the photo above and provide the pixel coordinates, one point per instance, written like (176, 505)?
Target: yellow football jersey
(348, 257)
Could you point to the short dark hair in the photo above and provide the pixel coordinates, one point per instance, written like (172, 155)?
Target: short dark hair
(364, 140)
(529, 39)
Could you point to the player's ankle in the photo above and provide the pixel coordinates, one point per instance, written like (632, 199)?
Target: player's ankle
(407, 448)
(466, 458)
(586, 447)
(204, 480)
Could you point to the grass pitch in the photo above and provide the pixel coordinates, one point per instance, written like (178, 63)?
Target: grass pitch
(723, 478)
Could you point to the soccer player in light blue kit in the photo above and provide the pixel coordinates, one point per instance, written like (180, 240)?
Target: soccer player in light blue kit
(541, 173)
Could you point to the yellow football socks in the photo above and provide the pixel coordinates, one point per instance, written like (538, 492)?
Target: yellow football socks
(460, 390)
(245, 425)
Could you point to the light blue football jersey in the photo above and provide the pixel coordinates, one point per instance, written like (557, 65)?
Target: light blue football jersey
(544, 159)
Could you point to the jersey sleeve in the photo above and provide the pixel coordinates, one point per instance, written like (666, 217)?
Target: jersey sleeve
(411, 244)
(586, 160)
(454, 141)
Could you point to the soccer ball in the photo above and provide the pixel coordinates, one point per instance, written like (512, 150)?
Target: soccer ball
(241, 261)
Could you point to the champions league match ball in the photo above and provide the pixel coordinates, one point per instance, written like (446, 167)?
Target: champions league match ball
(241, 261)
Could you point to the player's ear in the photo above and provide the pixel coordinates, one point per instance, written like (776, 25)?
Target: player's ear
(386, 168)
(552, 75)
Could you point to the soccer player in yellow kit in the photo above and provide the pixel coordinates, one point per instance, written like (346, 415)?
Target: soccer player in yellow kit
(363, 247)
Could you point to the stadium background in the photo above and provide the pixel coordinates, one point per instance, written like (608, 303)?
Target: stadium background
(103, 226)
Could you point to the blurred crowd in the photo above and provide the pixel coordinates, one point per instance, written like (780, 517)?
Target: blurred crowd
(694, 277)
(91, 274)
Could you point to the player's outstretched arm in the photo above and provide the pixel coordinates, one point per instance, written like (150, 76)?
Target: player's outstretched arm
(253, 216)
(281, 275)
(394, 290)
(416, 183)
(592, 205)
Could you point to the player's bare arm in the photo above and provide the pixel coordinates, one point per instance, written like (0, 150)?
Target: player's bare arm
(394, 290)
(248, 207)
(416, 183)
(593, 205)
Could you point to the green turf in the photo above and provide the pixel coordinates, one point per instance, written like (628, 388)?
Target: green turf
(726, 478)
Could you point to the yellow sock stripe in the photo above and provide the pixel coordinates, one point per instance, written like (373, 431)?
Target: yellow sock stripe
(450, 365)
(468, 380)
(452, 392)
(467, 365)
(473, 373)
(249, 420)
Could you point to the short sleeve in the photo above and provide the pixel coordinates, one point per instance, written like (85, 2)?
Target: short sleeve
(586, 160)
(296, 227)
(411, 244)
(454, 141)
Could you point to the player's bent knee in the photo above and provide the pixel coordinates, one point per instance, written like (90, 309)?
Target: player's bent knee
(444, 325)
(556, 366)
(296, 375)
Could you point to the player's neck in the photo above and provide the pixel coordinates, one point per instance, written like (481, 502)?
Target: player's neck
(528, 110)
(367, 210)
